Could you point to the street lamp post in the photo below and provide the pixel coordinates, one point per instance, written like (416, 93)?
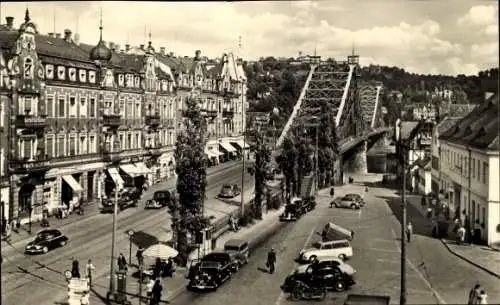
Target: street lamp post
(243, 129)
(113, 243)
(130, 235)
(399, 141)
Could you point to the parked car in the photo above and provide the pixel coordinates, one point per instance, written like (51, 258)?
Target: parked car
(293, 210)
(229, 191)
(212, 271)
(238, 250)
(309, 203)
(45, 241)
(330, 274)
(160, 199)
(345, 202)
(124, 202)
(327, 250)
(356, 197)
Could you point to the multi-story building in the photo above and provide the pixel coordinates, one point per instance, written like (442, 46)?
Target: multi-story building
(469, 165)
(84, 119)
(4, 131)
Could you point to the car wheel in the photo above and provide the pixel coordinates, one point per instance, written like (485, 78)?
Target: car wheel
(45, 249)
(342, 256)
(339, 286)
(312, 258)
(353, 206)
(322, 295)
(62, 243)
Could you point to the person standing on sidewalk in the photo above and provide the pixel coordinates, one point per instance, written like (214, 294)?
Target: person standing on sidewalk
(473, 293)
(122, 262)
(482, 298)
(89, 268)
(409, 231)
(75, 269)
(156, 293)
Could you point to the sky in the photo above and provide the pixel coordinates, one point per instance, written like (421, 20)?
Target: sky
(422, 36)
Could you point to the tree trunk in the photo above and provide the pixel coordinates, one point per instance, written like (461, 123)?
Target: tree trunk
(182, 246)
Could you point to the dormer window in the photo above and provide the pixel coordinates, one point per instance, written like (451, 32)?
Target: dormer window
(49, 71)
(120, 80)
(83, 75)
(198, 77)
(60, 72)
(130, 80)
(28, 68)
(72, 74)
(164, 85)
(92, 77)
(137, 83)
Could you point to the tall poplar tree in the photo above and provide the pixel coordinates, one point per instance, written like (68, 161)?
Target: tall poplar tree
(191, 174)
(262, 158)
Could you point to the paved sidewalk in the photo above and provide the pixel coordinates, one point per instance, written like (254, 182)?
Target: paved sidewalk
(483, 257)
(93, 208)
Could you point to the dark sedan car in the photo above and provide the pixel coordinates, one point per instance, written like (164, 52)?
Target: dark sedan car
(332, 274)
(229, 191)
(212, 271)
(45, 241)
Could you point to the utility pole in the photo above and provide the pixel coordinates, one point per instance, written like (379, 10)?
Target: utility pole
(402, 300)
(243, 129)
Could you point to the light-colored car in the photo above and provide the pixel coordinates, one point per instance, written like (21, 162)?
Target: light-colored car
(327, 250)
(346, 202)
(229, 191)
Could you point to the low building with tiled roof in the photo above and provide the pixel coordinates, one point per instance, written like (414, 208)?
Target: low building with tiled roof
(469, 169)
(89, 118)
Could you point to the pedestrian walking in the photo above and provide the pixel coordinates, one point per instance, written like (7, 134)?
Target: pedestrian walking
(332, 192)
(156, 293)
(140, 257)
(460, 235)
(271, 260)
(8, 231)
(482, 298)
(122, 262)
(89, 268)
(409, 231)
(473, 294)
(75, 269)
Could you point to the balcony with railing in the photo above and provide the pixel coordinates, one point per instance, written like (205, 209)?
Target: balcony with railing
(210, 113)
(153, 120)
(228, 112)
(38, 163)
(231, 92)
(170, 123)
(30, 121)
(112, 120)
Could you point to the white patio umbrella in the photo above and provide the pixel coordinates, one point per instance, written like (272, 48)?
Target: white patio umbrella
(160, 251)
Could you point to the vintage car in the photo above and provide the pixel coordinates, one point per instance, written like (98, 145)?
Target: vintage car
(160, 199)
(211, 271)
(356, 197)
(346, 202)
(332, 231)
(309, 203)
(124, 201)
(331, 274)
(238, 250)
(293, 210)
(327, 250)
(45, 241)
(229, 191)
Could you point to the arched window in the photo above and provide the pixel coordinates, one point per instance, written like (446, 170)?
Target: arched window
(28, 68)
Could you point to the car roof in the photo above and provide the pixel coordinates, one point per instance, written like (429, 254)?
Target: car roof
(235, 242)
(351, 194)
(338, 241)
(49, 231)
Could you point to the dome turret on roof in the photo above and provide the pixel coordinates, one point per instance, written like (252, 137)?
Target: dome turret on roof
(100, 52)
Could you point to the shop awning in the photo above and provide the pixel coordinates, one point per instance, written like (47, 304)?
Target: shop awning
(130, 169)
(241, 144)
(142, 169)
(227, 147)
(211, 153)
(72, 183)
(113, 172)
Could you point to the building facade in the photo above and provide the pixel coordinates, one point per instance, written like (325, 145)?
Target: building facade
(469, 165)
(82, 119)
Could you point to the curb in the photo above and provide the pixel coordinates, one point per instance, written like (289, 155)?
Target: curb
(468, 260)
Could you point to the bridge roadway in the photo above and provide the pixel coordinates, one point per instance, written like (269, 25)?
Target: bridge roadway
(434, 276)
(42, 281)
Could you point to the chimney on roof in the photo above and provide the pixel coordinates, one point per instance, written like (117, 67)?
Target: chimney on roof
(51, 34)
(127, 47)
(185, 56)
(111, 45)
(171, 54)
(67, 35)
(58, 35)
(162, 50)
(197, 55)
(117, 47)
(141, 47)
(10, 22)
(122, 51)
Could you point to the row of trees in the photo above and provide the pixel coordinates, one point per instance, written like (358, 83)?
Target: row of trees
(191, 168)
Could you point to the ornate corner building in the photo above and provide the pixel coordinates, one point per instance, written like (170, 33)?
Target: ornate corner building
(78, 120)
